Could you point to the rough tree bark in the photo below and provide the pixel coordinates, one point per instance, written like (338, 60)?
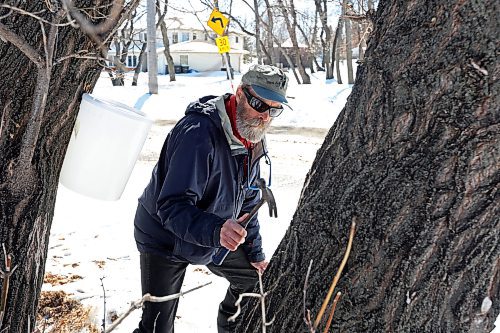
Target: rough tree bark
(28, 185)
(414, 156)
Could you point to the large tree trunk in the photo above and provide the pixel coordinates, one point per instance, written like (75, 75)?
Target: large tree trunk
(28, 183)
(414, 158)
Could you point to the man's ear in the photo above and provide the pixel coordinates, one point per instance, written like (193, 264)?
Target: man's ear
(239, 94)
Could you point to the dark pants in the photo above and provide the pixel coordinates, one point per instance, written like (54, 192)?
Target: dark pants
(162, 277)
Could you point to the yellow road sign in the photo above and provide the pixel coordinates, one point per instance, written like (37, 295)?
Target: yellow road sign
(223, 44)
(217, 22)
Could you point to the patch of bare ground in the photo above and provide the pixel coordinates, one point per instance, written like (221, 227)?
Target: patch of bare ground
(57, 280)
(58, 313)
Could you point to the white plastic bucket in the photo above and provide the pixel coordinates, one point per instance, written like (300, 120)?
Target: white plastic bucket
(105, 144)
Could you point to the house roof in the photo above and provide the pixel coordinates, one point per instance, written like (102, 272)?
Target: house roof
(184, 23)
(197, 47)
(288, 43)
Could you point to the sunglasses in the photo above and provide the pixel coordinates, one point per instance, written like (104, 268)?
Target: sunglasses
(260, 106)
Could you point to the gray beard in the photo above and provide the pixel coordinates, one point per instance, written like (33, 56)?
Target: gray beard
(252, 129)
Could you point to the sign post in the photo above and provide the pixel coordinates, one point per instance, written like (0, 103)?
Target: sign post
(218, 23)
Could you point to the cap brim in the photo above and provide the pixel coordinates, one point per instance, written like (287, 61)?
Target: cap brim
(268, 94)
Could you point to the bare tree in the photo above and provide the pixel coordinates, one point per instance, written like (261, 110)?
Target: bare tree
(336, 47)
(269, 30)
(140, 61)
(309, 38)
(291, 26)
(321, 9)
(414, 158)
(257, 31)
(47, 65)
(166, 42)
(348, 41)
(122, 41)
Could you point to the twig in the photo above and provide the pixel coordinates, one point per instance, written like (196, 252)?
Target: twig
(307, 314)
(263, 304)
(332, 311)
(127, 12)
(337, 276)
(35, 16)
(238, 307)
(148, 298)
(101, 28)
(5, 275)
(104, 294)
(262, 297)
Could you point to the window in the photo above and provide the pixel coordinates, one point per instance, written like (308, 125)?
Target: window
(237, 39)
(175, 38)
(194, 36)
(131, 61)
(184, 36)
(183, 59)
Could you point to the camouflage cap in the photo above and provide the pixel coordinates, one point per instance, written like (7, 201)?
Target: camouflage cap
(267, 81)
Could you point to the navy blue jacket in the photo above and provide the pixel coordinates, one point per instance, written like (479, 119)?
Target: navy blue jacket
(198, 183)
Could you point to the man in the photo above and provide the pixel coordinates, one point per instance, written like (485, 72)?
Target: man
(201, 188)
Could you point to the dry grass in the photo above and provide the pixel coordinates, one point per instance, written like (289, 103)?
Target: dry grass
(57, 280)
(57, 312)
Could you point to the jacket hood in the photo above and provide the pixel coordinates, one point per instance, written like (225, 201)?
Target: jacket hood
(214, 108)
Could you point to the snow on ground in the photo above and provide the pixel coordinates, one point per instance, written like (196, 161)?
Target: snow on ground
(94, 239)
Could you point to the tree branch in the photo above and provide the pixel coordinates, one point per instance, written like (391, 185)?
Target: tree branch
(148, 298)
(337, 276)
(21, 44)
(102, 28)
(36, 16)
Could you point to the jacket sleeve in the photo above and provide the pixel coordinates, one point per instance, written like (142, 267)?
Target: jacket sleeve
(253, 241)
(188, 161)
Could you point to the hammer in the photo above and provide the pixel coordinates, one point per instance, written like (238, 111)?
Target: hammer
(267, 196)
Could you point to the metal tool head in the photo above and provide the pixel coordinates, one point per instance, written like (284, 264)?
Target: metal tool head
(267, 196)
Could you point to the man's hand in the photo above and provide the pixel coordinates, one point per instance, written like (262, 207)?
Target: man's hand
(232, 234)
(260, 266)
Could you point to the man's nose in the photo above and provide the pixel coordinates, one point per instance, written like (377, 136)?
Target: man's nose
(265, 116)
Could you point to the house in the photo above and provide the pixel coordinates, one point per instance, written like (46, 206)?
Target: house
(190, 46)
(200, 55)
(287, 47)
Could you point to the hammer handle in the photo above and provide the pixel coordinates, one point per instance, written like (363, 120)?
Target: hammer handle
(222, 252)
